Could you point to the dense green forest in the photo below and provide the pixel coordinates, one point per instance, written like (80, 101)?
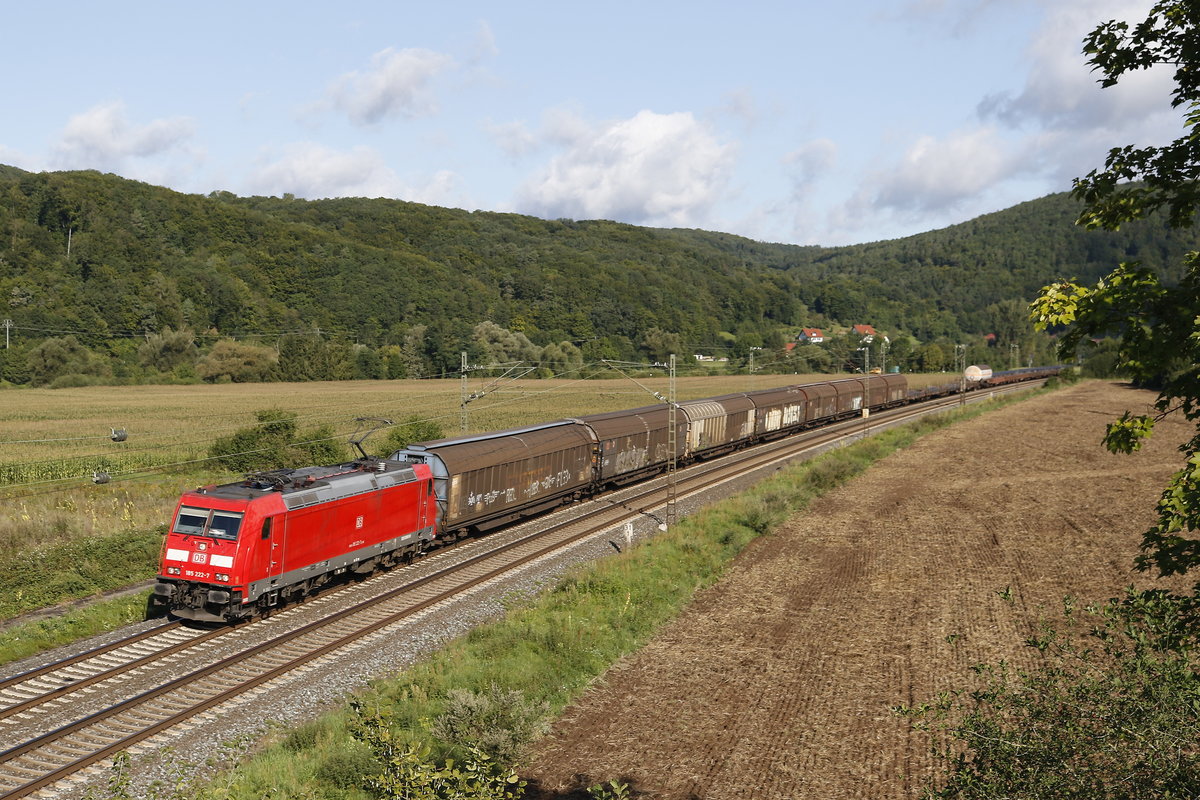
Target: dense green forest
(107, 279)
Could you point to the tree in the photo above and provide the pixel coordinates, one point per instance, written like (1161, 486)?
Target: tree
(561, 359)
(658, 345)
(167, 350)
(1112, 715)
(275, 442)
(413, 428)
(236, 362)
(58, 357)
(931, 358)
(500, 345)
(1156, 326)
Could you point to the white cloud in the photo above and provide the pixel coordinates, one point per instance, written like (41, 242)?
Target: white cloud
(936, 182)
(313, 171)
(15, 158)
(396, 84)
(102, 138)
(740, 104)
(652, 169)
(1061, 91)
(1059, 125)
(937, 175)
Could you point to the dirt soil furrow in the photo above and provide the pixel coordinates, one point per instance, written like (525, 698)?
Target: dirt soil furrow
(778, 681)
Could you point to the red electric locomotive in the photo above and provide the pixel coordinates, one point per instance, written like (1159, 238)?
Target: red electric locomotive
(238, 549)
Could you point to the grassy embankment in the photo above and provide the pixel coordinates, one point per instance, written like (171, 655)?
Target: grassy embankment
(548, 651)
(63, 539)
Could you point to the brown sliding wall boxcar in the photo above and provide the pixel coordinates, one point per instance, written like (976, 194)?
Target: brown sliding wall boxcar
(777, 411)
(635, 443)
(487, 480)
(718, 423)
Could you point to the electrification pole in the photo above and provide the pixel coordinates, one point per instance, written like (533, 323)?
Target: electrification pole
(672, 444)
(463, 394)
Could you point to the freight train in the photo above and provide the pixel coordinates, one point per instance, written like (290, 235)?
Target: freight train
(237, 550)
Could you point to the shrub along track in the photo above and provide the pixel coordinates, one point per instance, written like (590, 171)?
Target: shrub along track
(777, 682)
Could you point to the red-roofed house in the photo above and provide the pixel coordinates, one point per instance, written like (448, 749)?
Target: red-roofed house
(812, 335)
(865, 330)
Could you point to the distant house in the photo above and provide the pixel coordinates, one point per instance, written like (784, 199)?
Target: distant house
(865, 330)
(990, 338)
(789, 346)
(810, 335)
(703, 358)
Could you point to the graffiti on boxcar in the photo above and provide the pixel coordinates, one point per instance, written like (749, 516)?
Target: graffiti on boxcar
(632, 459)
(561, 478)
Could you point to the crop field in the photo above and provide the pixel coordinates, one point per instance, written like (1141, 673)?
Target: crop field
(52, 441)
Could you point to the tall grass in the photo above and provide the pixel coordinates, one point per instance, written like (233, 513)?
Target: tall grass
(27, 639)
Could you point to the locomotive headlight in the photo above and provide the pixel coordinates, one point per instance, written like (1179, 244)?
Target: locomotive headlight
(222, 577)
(173, 570)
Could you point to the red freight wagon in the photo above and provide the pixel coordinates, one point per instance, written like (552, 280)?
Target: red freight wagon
(240, 548)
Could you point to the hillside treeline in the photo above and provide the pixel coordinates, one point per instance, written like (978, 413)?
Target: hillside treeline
(108, 279)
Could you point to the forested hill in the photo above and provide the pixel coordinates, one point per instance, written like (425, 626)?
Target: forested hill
(102, 256)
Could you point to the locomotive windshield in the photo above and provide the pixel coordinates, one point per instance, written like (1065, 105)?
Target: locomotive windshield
(207, 522)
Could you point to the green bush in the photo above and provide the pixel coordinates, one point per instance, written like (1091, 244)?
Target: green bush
(412, 429)
(499, 722)
(347, 767)
(275, 443)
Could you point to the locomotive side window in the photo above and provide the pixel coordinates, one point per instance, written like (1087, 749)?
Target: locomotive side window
(206, 522)
(191, 520)
(224, 525)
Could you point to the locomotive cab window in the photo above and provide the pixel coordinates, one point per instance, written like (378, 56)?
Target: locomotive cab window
(207, 522)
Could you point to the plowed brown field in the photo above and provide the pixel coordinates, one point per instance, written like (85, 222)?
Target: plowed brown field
(777, 682)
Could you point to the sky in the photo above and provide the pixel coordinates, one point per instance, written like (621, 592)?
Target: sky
(801, 122)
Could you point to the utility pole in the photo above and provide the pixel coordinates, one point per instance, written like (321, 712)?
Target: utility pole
(7, 328)
(463, 394)
(960, 364)
(672, 443)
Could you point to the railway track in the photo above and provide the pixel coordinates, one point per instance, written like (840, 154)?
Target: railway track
(196, 679)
